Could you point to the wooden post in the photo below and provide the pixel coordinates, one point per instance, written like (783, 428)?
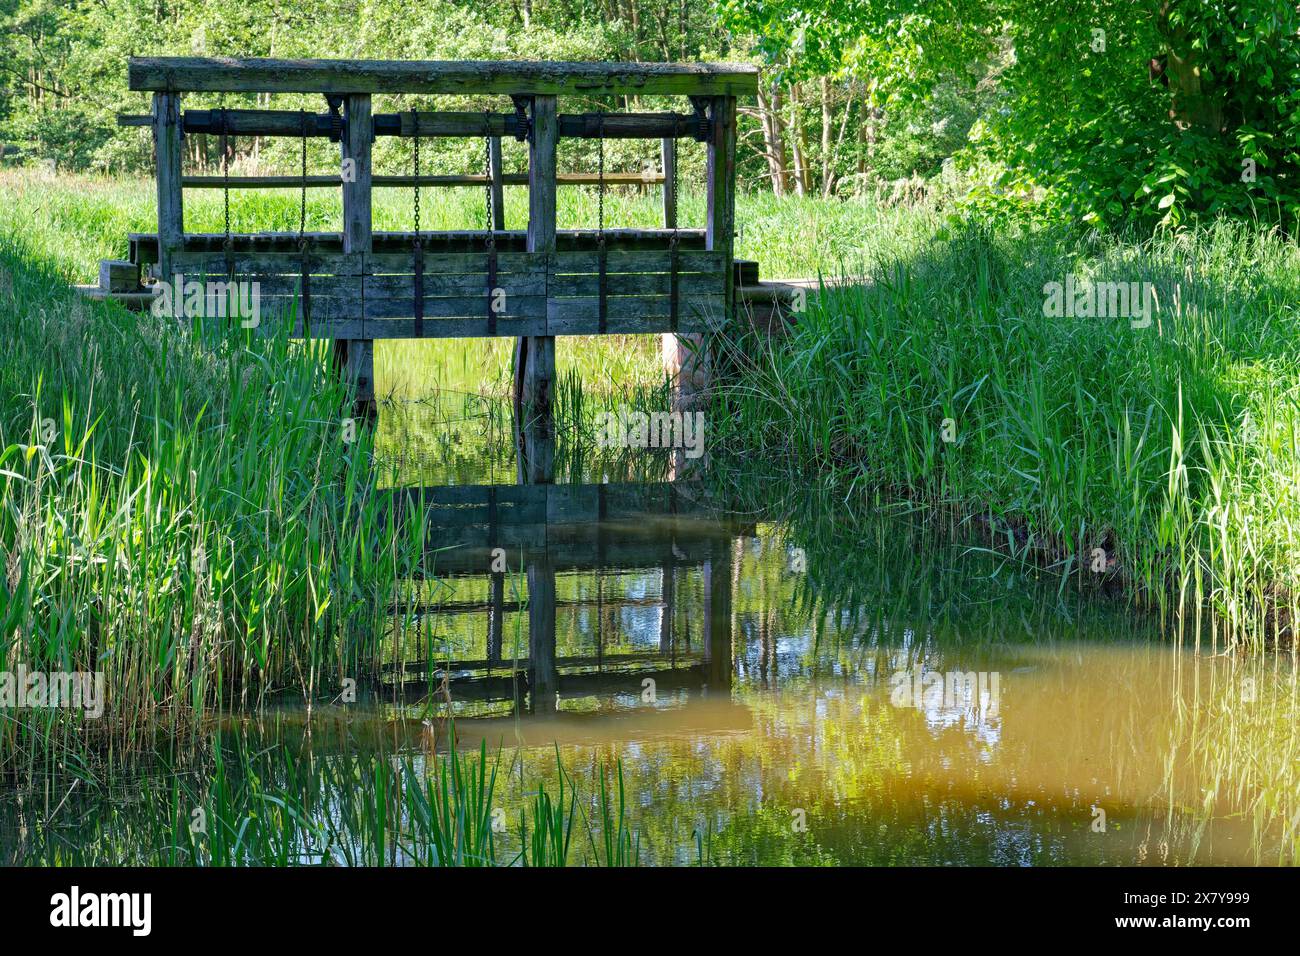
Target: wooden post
(717, 616)
(543, 681)
(721, 166)
(666, 620)
(171, 212)
(355, 358)
(498, 190)
(670, 183)
(496, 614)
(536, 355)
(685, 356)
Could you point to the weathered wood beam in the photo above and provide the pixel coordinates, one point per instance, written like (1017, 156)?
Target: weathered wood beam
(144, 245)
(295, 123)
(355, 357)
(469, 179)
(668, 154)
(260, 75)
(262, 123)
(535, 356)
(168, 149)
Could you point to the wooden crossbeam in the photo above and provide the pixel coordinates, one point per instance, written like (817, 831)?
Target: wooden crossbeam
(470, 179)
(460, 77)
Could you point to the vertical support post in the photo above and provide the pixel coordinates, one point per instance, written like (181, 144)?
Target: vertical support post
(721, 165)
(686, 357)
(171, 213)
(544, 677)
(670, 183)
(498, 191)
(355, 358)
(536, 354)
(669, 599)
(717, 616)
(496, 615)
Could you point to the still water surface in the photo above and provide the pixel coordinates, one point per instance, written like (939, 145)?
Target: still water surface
(777, 689)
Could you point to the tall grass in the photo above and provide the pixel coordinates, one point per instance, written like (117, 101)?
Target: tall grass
(1164, 459)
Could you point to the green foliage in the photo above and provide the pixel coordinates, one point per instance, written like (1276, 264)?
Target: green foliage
(1123, 138)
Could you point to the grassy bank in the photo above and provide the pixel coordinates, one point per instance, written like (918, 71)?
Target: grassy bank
(187, 520)
(1165, 459)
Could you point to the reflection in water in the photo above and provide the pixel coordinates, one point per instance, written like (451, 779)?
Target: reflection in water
(788, 692)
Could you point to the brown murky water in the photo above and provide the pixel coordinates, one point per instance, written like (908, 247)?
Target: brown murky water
(795, 691)
(779, 697)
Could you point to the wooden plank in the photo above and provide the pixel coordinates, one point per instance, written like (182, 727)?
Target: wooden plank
(471, 327)
(167, 147)
(289, 263)
(144, 245)
(349, 264)
(431, 181)
(264, 75)
(452, 123)
(353, 307)
(631, 125)
(403, 286)
(258, 122)
(116, 275)
(356, 359)
(668, 155)
(637, 260)
(572, 125)
(637, 283)
(578, 316)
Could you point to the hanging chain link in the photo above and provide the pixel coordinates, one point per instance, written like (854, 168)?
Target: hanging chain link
(487, 170)
(677, 212)
(415, 120)
(225, 171)
(600, 179)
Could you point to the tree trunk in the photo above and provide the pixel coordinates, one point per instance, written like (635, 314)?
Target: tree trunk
(828, 160)
(769, 109)
(798, 144)
(1192, 106)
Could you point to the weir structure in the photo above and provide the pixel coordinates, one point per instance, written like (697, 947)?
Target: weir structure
(358, 285)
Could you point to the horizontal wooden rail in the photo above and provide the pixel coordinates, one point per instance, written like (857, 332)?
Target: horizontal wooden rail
(144, 245)
(461, 77)
(472, 179)
(572, 125)
(435, 124)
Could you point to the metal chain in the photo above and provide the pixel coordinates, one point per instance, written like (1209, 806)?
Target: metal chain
(415, 120)
(600, 177)
(225, 170)
(677, 212)
(487, 170)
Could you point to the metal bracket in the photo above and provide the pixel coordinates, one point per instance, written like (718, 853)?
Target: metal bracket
(337, 123)
(703, 123)
(523, 123)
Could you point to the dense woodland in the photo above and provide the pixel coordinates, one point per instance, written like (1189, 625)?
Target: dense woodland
(1099, 112)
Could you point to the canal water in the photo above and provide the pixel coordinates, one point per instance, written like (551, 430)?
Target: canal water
(788, 682)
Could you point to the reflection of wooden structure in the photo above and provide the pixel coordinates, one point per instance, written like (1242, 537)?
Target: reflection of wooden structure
(548, 528)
